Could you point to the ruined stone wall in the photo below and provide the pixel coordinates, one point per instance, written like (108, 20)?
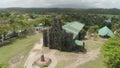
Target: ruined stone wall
(67, 41)
(56, 38)
(45, 37)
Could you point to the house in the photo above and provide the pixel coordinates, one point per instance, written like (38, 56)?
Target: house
(108, 21)
(105, 32)
(74, 28)
(38, 27)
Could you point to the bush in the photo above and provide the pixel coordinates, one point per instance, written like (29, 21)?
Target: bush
(111, 51)
(82, 33)
(3, 66)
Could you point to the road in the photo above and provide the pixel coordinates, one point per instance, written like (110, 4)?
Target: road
(35, 54)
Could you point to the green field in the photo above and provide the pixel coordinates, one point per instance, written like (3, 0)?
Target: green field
(64, 63)
(20, 46)
(90, 45)
(97, 63)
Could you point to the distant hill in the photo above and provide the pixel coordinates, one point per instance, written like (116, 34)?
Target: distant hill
(113, 11)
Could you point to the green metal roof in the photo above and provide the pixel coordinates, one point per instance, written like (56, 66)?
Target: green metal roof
(73, 27)
(79, 43)
(105, 31)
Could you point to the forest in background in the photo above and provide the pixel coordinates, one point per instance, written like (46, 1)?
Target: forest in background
(43, 11)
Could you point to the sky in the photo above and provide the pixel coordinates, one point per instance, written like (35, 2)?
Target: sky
(60, 3)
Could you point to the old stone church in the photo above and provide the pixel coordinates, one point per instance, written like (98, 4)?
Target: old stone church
(64, 38)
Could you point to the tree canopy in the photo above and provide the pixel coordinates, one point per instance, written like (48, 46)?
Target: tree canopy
(111, 51)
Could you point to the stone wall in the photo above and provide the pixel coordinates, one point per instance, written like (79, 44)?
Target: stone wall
(56, 38)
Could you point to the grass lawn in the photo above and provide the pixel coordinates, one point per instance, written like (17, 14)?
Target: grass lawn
(91, 44)
(64, 63)
(71, 57)
(65, 58)
(97, 63)
(20, 46)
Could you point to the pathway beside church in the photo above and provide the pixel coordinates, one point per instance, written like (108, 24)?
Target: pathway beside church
(36, 53)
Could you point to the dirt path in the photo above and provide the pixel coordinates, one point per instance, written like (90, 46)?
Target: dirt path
(85, 58)
(53, 58)
(34, 54)
(15, 61)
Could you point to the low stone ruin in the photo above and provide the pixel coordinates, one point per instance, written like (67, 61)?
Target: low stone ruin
(43, 62)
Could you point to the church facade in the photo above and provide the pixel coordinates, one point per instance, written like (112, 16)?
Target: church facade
(56, 37)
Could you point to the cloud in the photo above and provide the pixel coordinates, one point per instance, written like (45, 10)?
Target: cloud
(23, 3)
(61, 3)
(85, 3)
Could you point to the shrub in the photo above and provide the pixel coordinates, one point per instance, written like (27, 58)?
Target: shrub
(3, 66)
(111, 52)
